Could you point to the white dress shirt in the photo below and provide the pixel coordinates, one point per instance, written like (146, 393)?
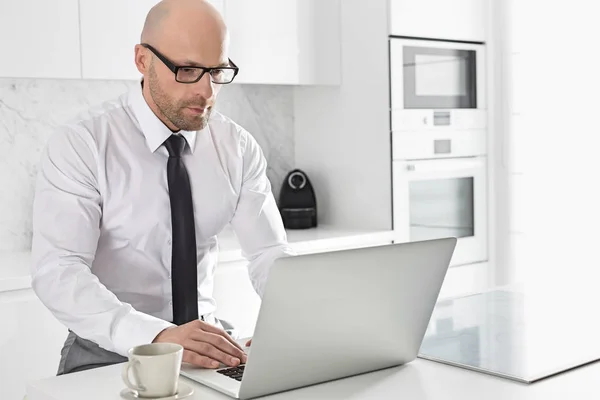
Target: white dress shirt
(102, 220)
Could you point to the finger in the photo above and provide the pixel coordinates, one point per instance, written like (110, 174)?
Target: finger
(225, 345)
(218, 331)
(220, 343)
(198, 360)
(208, 350)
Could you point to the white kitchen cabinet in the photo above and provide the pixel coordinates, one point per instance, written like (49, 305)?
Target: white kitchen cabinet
(30, 342)
(439, 19)
(272, 41)
(237, 301)
(109, 31)
(39, 39)
(285, 41)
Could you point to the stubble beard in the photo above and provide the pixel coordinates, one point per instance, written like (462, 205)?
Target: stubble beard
(174, 111)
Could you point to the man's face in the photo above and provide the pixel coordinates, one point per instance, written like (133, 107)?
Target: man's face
(187, 106)
(182, 34)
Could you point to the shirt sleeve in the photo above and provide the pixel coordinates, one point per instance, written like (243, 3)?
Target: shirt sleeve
(67, 212)
(257, 222)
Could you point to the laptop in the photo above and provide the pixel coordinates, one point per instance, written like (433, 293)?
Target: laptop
(337, 314)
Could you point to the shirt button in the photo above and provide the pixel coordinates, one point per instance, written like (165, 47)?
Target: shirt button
(169, 242)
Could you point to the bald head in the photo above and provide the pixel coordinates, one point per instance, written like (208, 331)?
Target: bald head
(170, 21)
(154, 20)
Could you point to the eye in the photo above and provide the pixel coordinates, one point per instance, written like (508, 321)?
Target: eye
(188, 71)
(188, 74)
(217, 73)
(221, 75)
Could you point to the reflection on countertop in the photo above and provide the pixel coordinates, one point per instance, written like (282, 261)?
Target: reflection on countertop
(515, 332)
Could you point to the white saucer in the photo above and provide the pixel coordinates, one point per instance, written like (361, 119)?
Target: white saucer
(182, 392)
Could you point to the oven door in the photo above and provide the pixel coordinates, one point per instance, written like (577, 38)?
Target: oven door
(443, 198)
(437, 84)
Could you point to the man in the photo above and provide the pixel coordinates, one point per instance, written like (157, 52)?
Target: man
(130, 198)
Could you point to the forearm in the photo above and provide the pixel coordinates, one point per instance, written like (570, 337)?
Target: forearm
(78, 300)
(257, 221)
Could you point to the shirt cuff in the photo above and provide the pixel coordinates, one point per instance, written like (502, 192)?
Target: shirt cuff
(135, 329)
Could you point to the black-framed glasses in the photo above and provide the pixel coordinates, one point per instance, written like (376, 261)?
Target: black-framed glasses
(192, 74)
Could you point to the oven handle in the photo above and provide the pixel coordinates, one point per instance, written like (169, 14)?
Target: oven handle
(445, 165)
(437, 44)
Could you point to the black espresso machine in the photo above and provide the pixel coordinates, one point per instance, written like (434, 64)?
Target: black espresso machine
(297, 201)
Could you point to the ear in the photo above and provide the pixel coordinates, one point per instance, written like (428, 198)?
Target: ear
(142, 59)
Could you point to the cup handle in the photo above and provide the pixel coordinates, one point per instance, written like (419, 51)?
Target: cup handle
(125, 375)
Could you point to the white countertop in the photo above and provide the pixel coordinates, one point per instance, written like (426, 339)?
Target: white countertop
(15, 266)
(518, 331)
(315, 240)
(418, 380)
(504, 339)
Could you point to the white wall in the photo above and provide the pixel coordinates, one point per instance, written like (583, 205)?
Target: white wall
(551, 138)
(351, 165)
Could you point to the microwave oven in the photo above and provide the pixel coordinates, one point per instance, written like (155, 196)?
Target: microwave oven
(438, 98)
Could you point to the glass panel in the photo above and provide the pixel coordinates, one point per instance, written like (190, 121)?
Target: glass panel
(222, 75)
(441, 208)
(440, 75)
(439, 78)
(188, 74)
(526, 333)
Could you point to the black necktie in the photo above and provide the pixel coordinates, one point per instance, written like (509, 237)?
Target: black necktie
(184, 265)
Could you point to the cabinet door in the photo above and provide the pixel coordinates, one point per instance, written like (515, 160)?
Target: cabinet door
(263, 40)
(285, 41)
(30, 342)
(237, 301)
(39, 39)
(109, 31)
(439, 19)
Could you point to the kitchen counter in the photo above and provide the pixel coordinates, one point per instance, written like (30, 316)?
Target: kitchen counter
(305, 241)
(14, 267)
(517, 332)
(500, 338)
(419, 380)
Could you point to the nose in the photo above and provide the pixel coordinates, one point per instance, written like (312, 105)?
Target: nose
(204, 87)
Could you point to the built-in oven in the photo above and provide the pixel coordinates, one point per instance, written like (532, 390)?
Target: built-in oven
(443, 198)
(438, 98)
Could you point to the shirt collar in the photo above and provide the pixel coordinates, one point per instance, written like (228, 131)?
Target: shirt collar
(154, 130)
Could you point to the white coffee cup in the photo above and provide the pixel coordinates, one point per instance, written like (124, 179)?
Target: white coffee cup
(155, 368)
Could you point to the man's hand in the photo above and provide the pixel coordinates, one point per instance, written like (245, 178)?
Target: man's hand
(204, 345)
(249, 343)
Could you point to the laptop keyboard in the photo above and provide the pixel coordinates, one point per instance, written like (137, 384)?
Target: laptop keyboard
(234, 372)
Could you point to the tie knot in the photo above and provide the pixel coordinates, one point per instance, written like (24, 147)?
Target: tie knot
(175, 145)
